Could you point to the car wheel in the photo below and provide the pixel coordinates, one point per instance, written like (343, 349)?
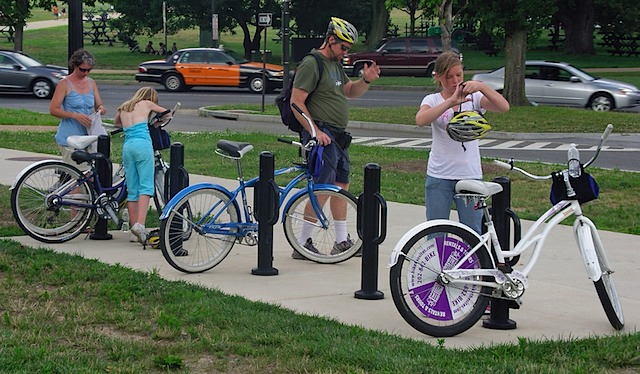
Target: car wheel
(173, 82)
(601, 102)
(42, 88)
(429, 73)
(255, 84)
(358, 70)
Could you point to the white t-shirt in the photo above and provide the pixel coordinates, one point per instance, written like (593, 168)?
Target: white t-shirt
(448, 158)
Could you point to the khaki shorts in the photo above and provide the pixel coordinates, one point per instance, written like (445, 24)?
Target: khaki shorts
(66, 157)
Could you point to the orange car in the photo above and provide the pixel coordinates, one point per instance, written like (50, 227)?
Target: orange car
(211, 67)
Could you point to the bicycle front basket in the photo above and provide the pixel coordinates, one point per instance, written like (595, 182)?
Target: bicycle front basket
(585, 187)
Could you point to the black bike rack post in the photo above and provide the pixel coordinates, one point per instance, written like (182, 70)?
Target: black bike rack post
(178, 180)
(103, 167)
(372, 229)
(265, 199)
(501, 213)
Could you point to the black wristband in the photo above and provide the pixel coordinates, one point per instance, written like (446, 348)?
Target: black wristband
(365, 80)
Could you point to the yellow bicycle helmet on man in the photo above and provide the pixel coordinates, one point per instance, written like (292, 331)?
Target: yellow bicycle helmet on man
(343, 30)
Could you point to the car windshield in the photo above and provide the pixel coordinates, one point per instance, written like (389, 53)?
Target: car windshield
(26, 60)
(239, 59)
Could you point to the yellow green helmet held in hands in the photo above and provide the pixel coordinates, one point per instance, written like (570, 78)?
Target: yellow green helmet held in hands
(343, 30)
(467, 126)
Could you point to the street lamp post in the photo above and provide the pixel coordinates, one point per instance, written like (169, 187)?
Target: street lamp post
(285, 42)
(214, 25)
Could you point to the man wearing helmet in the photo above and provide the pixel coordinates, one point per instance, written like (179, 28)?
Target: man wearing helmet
(325, 102)
(455, 117)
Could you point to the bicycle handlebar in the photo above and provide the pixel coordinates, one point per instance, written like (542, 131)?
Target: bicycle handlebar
(160, 117)
(306, 147)
(309, 121)
(511, 164)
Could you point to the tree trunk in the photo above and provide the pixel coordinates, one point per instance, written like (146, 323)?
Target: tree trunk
(378, 22)
(23, 6)
(446, 23)
(578, 29)
(515, 52)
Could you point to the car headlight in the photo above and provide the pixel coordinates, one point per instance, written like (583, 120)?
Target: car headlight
(626, 91)
(58, 75)
(276, 73)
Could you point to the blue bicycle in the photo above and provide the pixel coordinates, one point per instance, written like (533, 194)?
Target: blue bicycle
(216, 220)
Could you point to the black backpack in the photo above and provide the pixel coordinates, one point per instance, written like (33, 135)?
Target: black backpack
(283, 100)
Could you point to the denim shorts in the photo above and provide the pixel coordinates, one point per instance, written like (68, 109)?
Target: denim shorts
(336, 166)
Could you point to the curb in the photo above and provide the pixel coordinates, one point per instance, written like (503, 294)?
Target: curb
(240, 115)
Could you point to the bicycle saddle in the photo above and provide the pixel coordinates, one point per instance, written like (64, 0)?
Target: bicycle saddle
(478, 187)
(234, 149)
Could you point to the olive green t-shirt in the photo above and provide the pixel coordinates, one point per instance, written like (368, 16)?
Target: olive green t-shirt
(327, 102)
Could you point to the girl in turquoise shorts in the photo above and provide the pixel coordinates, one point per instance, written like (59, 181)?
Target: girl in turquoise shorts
(137, 155)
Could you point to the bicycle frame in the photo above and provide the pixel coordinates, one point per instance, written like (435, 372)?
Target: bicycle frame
(247, 223)
(92, 177)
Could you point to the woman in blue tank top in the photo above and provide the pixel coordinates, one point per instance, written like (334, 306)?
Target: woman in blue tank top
(137, 155)
(75, 98)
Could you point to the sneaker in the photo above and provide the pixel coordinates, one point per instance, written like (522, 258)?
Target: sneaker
(342, 246)
(309, 246)
(139, 231)
(132, 237)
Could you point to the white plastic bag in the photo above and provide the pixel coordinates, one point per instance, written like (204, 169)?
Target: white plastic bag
(96, 129)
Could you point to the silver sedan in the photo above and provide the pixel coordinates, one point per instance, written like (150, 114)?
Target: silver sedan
(562, 84)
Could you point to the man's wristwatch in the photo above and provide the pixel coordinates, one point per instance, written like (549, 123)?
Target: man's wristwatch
(365, 80)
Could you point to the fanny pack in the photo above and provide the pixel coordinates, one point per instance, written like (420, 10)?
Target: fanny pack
(342, 138)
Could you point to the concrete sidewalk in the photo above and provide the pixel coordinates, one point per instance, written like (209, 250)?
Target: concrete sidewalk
(561, 302)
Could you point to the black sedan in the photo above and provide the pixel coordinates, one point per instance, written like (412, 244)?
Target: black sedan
(211, 67)
(22, 73)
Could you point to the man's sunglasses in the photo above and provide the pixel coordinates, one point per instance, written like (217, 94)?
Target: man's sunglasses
(344, 48)
(85, 70)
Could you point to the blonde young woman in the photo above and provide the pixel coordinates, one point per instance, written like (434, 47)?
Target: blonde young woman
(137, 155)
(451, 161)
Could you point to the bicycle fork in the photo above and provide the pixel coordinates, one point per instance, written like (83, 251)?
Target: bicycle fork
(582, 230)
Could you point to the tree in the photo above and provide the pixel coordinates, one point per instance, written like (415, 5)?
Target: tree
(16, 12)
(413, 8)
(312, 16)
(515, 19)
(379, 22)
(577, 18)
(446, 20)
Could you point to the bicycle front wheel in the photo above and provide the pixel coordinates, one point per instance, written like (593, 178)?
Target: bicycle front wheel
(424, 299)
(198, 232)
(52, 202)
(158, 196)
(314, 237)
(606, 289)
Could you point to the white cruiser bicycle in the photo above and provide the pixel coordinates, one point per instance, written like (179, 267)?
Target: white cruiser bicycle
(443, 273)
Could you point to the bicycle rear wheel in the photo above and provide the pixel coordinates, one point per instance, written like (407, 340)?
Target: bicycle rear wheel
(45, 202)
(322, 248)
(198, 232)
(428, 303)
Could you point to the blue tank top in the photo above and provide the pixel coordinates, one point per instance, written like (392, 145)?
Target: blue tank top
(139, 131)
(77, 103)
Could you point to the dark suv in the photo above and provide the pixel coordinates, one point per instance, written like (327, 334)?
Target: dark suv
(399, 56)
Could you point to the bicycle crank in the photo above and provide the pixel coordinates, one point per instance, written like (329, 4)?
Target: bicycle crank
(106, 207)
